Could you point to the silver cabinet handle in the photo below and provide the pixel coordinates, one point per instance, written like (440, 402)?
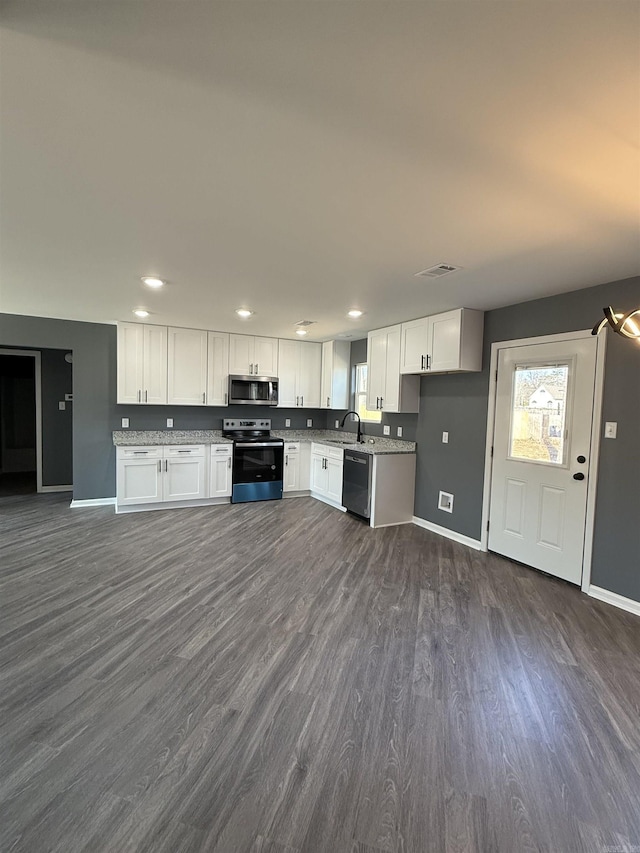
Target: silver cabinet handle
(286, 460)
(159, 466)
(381, 402)
(226, 397)
(421, 362)
(221, 449)
(229, 463)
(139, 396)
(146, 396)
(140, 452)
(302, 401)
(428, 362)
(166, 465)
(184, 451)
(204, 398)
(328, 405)
(297, 401)
(256, 368)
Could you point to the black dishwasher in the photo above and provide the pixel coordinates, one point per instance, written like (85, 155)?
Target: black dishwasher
(356, 483)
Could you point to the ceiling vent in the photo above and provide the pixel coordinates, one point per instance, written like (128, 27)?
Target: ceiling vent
(438, 270)
(306, 322)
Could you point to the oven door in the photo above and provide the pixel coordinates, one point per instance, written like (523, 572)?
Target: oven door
(257, 471)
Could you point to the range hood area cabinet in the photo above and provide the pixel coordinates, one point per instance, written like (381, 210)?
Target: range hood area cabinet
(299, 374)
(443, 343)
(253, 356)
(336, 362)
(387, 389)
(142, 364)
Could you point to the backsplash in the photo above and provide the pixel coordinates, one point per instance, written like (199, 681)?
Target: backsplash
(211, 417)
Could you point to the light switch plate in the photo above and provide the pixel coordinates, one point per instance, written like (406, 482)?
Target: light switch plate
(445, 438)
(611, 429)
(169, 423)
(309, 422)
(287, 422)
(125, 423)
(62, 405)
(386, 429)
(399, 432)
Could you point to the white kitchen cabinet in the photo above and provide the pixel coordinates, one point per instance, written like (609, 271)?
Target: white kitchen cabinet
(443, 343)
(253, 356)
(387, 389)
(336, 356)
(142, 364)
(187, 367)
(149, 475)
(220, 476)
(217, 369)
(326, 473)
(299, 374)
(296, 475)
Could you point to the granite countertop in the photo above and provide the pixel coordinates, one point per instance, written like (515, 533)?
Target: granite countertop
(374, 445)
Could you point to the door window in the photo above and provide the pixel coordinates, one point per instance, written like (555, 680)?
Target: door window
(539, 413)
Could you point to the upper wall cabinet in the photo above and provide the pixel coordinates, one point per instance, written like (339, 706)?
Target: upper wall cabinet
(336, 357)
(299, 369)
(387, 389)
(217, 369)
(443, 343)
(142, 364)
(253, 356)
(187, 371)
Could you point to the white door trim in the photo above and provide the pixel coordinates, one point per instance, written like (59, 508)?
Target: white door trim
(35, 354)
(594, 455)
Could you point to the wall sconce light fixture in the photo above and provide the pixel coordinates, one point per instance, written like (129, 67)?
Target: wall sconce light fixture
(623, 324)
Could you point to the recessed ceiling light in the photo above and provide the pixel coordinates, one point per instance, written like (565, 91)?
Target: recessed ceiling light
(301, 332)
(152, 281)
(355, 313)
(140, 312)
(244, 313)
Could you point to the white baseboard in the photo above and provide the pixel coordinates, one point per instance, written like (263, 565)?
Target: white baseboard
(92, 502)
(188, 504)
(56, 489)
(449, 534)
(620, 601)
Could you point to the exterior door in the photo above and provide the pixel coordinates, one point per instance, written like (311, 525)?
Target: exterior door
(541, 448)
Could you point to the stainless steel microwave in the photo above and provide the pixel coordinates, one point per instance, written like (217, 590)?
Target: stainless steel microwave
(253, 390)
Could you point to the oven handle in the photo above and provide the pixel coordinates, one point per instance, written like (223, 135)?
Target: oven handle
(259, 444)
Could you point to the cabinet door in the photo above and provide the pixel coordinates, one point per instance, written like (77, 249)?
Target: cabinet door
(187, 367)
(310, 366)
(265, 356)
(377, 363)
(291, 473)
(155, 365)
(319, 474)
(334, 480)
(220, 481)
(391, 396)
(240, 354)
(414, 346)
(139, 481)
(217, 369)
(184, 479)
(130, 362)
(327, 373)
(444, 341)
(288, 395)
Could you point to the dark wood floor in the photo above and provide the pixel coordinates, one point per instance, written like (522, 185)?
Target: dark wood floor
(278, 677)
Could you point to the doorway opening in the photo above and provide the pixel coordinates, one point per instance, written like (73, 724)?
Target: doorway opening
(20, 422)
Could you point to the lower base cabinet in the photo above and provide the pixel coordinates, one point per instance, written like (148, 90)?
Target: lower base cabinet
(220, 472)
(296, 467)
(147, 475)
(326, 473)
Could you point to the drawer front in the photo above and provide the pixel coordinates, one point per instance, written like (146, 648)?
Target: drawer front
(221, 449)
(178, 450)
(334, 452)
(139, 452)
(292, 447)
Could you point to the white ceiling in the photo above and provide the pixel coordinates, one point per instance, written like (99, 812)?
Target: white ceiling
(303, 158)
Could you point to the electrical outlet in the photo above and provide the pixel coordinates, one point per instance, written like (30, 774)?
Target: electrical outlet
(399, 432)
(445, 438)
(169, 423)
(386, 429)
(62, 405)
(125, 423)
(309, 422)
(337, 424)
(287, 422)
(611, 429)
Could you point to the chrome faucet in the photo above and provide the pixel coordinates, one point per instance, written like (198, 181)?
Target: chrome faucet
(359, 438)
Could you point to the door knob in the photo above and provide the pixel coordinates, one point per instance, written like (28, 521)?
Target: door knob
(578, 476)
(582, 459)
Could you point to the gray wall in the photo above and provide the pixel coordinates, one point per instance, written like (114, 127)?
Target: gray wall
(458, 404)
(57, 431)
(210, 417)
